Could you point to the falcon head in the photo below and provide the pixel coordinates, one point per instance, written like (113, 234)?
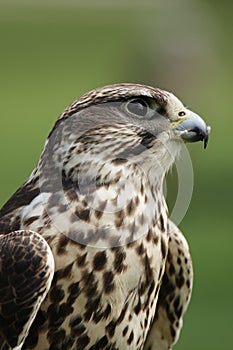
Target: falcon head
(147, 103)
(118, 123)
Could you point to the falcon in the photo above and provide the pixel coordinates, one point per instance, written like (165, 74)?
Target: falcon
(89, 258)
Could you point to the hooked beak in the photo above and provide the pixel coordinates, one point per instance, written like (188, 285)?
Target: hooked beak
(193, 129)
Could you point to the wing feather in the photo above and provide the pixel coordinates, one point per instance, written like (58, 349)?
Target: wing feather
(26, 272)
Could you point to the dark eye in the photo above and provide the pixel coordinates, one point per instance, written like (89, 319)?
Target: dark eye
(138, 107)
(181, 113)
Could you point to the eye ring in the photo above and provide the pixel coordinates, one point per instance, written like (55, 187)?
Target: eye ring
(181, 113)
(138, 107)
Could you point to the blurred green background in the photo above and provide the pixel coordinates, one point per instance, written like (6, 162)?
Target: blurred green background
(53, 51)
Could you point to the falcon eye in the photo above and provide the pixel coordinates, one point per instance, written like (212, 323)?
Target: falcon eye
(181, 113)
(137, 107)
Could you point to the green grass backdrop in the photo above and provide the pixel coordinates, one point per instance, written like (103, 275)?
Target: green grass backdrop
(53, 51)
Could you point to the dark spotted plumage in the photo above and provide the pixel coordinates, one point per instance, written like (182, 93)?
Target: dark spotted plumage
(94, 206)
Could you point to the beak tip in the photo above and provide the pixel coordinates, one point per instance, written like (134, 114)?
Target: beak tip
(205, 142)
(206, 136)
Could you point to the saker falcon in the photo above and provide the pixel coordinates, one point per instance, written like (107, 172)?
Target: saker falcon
(88, 256)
